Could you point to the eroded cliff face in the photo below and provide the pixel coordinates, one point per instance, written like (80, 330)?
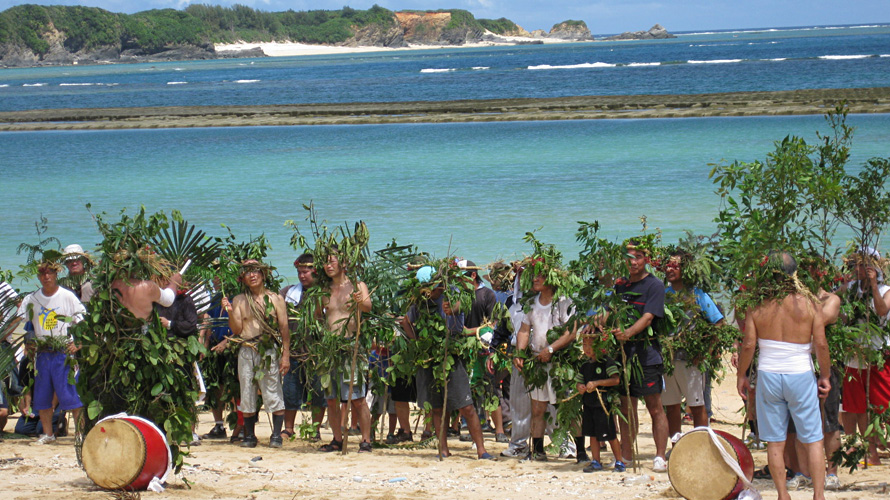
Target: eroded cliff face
(431, 28)
(570, 31)
(377, 36)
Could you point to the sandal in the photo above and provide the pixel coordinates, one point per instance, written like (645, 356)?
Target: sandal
(287, 433)
(762, 473)
(334, 445)
(365, 447)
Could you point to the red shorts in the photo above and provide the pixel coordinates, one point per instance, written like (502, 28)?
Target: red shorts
(878, 388)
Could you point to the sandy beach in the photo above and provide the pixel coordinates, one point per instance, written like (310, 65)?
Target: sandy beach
(217, 469)
(790, 102)
(290, 49)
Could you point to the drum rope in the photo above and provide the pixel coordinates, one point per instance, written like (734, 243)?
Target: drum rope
(750, 492)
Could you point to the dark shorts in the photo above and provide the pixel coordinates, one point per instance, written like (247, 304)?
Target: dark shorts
(403, 390)
(651, 382)
(598, 424)
(459, 394)
(293, 386)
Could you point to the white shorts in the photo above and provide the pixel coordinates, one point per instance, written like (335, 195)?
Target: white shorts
(249, 370)
(687, 382)
(545, 393)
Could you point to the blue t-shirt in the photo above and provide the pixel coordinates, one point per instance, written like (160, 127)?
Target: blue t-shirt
(709, 309)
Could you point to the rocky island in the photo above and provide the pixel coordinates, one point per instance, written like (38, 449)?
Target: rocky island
(35, 35)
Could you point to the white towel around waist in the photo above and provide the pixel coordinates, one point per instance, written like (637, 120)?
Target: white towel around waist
(784, 357)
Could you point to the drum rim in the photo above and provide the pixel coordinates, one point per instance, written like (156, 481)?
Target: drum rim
(135, 476)
(724, 440)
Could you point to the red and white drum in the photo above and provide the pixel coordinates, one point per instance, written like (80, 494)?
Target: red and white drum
(126, 453)
(697, 469)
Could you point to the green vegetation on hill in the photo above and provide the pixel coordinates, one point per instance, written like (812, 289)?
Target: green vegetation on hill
(152, 31)
(499, 26)
(570, 23)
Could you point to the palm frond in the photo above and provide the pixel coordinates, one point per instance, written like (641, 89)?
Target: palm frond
(183, 241)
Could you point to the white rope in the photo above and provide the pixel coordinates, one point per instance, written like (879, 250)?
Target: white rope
(750, 492)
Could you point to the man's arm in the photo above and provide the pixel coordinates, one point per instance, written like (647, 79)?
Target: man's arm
(639, 325)
(284, 330)
(363, 297)
(565, 339)
(820, 345)
(521, 343)
(408, 328)
(749, 342)
(236, 320)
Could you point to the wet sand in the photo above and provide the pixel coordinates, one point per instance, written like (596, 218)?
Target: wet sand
(792, 102)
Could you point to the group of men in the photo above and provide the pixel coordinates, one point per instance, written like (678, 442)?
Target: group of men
(787, 328)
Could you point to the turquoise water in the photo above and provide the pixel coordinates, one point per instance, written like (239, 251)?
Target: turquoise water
(471, 189)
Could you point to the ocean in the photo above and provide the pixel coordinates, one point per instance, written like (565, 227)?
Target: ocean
(471, 190)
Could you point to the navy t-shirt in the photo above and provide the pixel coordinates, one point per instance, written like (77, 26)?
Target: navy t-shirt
(646, 296)
(600, 369)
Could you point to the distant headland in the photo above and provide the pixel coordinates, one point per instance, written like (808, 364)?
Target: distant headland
(34, 35)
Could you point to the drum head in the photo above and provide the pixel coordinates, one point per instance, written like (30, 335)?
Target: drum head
(697, 470)
(114, 453)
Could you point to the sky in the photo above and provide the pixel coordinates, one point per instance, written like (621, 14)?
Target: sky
(602, 16)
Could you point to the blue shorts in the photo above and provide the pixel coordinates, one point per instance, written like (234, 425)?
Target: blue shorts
(781, 396)
(51, 376)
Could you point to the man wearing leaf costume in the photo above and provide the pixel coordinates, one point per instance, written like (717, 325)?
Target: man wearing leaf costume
(687, 380)
(645, 293)
(785, 322)
(340, 318)
(259, 317)
(546, 312)
(78, 263)
(51, 309)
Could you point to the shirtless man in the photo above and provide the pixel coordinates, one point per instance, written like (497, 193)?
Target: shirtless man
(249, 321)
(139, 296)
(341, 310)
(787, 329)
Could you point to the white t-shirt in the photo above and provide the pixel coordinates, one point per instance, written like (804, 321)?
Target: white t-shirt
(874, 342)
(542, 318)
(45, 312)
(294, 294)
(7, 302)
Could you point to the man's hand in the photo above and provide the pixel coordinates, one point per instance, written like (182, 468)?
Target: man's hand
(581, 388)
(446, 308)
(284, 363)
(620, 334)
(489, 365)
(734, 360)
(226, 304)
(73, 348)
(743, 385)
(518, 362)
(544, 356)
(218, 348)
(591, 386)
(824, 387)
(164, 322)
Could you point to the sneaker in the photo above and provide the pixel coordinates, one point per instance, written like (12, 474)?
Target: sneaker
(404, 437)
(501, 438)
(391, 439)
(365, 447)
(44, 439)
(486, 427)
(676, 437)
(249, 442)
(535, 457)
(619, 466)
(466, 438)
(453, 433)
(426, 435)
(218, 432)
(798, 481)
(515, 452)
(659, 465)
(275, 442)
(832, 482)
(593, 466)
(196, 440)
(316, 438)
